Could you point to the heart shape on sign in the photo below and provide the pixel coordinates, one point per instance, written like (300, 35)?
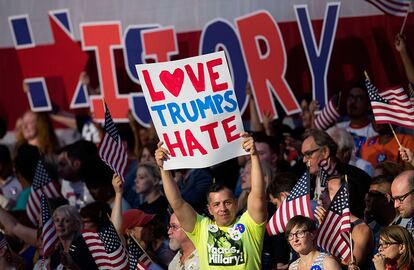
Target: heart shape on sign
(173, 82)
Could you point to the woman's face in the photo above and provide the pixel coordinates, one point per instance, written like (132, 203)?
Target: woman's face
(390, 249)
(145, 181)
(301, 240)
(65, 227)
(246, 177)
(147, 156)
(29, 128)
(88, 224)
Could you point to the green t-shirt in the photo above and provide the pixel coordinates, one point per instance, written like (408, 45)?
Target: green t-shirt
(238, 246)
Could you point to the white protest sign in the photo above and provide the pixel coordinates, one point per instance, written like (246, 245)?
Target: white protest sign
(194, 110)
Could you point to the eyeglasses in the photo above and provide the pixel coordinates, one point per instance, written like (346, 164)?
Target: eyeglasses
(298, 234)
(401, 198)
(386, 245)
(309, 153)
(173, 227)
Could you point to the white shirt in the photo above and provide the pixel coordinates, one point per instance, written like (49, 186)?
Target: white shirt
(191, 263)
(360, 134)
(76, 193)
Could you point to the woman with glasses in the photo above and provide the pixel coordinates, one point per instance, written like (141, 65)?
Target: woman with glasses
(395, 249)
(301, 234)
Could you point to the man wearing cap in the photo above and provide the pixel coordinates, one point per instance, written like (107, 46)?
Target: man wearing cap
(226, 242)
(141, 226)
(187, 256)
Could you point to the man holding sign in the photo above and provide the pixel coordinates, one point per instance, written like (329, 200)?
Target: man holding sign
(195, 112)
(225, 242)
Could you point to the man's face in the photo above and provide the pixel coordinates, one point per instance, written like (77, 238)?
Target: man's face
(67, 169)
(176, 234)
(223, 206)
(266, 153)
(377, 198)
(277, 202)
(312, 154)
(399, 188)
(357, 103)
(381, 128)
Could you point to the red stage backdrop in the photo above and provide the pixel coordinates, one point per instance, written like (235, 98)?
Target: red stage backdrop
(286, 50)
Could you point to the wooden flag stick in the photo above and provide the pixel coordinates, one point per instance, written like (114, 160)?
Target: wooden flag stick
(350, 244)
(405, 19)
(103, 103)
(339, 101)
(366, 74)
(143, 250)
(350, 231)
(395, 135)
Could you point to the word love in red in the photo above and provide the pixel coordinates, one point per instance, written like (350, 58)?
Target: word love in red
(173, 81)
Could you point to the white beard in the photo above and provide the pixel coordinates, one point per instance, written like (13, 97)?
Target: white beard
(174, 245)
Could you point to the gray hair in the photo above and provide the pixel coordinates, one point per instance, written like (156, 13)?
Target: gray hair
(342, 137)
(71, 213)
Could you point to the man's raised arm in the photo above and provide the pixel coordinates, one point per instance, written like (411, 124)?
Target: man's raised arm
(256, 202)
(184, 212)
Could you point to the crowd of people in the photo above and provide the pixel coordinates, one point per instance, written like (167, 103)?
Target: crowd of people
(216, 217)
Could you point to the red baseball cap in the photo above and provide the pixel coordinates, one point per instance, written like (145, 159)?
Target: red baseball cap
(134, 217)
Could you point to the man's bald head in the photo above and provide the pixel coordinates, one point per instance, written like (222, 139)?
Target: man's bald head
(402, 190)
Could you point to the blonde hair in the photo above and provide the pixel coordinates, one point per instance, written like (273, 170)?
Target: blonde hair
(152, 169)
(47, 139)
(48, 142)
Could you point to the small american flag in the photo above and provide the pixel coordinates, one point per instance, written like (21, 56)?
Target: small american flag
(328, 116)
(42, 183)
(106, 248)
(3, 241)
(138, 259)
(49, 237)
(327, 170)
(411, 93)
(297, 203)
(392, 7)
(391, 106)
(111, 150)
(333, 233)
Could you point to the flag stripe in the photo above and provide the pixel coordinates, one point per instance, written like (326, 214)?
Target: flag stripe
(49, 235)
(336, 224)
(42, 183)
(392, 7)
(392, 106)
(111, 149)
(327, 117)
(297, 203)
(113, 256)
